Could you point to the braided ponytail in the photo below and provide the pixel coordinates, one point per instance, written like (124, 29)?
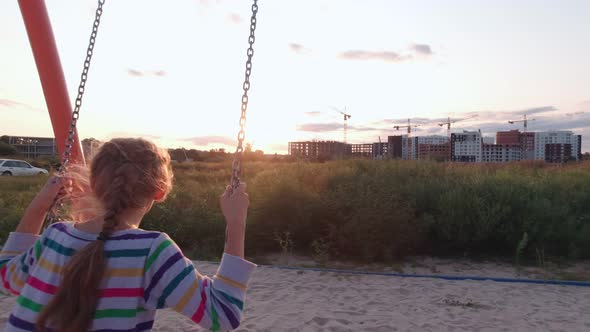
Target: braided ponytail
(125, 174)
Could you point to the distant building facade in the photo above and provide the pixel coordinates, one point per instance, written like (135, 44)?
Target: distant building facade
(319, 149)
(527, 144)
(394, 147)
(579, 147)
(420, 147)
(434, 147)
(558, 153)
(362, 150)
(500, 153)
(380, 150)
(370, 150)
(409, 147)
(33, 147)
(433, 139)
(466, 147)
(438, 152)
(557, 146)
(511, 137)
(526, 141)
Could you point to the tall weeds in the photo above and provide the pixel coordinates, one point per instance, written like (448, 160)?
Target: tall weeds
(372, 210)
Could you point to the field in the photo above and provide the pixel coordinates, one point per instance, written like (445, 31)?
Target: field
(372, 211)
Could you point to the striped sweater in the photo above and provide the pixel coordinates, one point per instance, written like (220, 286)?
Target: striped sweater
(146, 271)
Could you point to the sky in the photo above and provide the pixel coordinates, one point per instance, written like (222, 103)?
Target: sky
(172, 71)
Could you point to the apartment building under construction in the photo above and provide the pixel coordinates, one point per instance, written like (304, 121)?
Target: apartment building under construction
(466, 146)
(319, 149)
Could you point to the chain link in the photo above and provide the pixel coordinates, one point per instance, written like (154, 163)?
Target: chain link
(55, 211)
(237, 163)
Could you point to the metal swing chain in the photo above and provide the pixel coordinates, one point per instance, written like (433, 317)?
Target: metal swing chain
(55, 210)
(237, 163)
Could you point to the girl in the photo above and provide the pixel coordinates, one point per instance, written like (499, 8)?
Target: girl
(107, 274)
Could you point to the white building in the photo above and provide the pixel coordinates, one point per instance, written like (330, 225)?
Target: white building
(413, 146)
(564, 138)
(466, 146)
(498, 153)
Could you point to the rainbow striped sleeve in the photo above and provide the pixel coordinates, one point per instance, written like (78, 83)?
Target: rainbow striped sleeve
(17, 257)
(171, 281)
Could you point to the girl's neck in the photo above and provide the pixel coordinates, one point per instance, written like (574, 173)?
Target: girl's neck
(128, 219)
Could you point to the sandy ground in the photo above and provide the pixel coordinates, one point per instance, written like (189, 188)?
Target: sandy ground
(280, 300)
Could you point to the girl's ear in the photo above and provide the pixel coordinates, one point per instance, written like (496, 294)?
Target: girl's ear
(159, 196)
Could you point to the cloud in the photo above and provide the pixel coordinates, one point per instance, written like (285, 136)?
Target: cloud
(313, 113)
(333, 126)
(206, 140)
(135, 73)
(319, 127)
(235, 18)
(563, 122)
(535, 110)
(143, 73)
(298, 48)
(11, 104)
(387, 56)
(131, 135)
(209, 3)
(426, 121)
(364, 128)
(505, 115)
(422, 49)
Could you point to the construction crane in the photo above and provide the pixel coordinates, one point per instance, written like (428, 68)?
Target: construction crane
(409, 128)
(346, 116)
(525, 122)
(524, 144)
(449, 122)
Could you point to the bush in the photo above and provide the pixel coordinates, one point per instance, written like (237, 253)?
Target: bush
(372, 210)
(7, 149)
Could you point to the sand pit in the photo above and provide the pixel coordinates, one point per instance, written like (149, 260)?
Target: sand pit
(280, 300)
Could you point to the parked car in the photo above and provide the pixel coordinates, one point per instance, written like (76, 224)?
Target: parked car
(10, 167)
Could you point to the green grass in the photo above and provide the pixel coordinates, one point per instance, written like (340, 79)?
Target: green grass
(369, 211)
(15, 195)
(573, 276)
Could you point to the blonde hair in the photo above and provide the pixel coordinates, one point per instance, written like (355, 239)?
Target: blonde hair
(126, 173)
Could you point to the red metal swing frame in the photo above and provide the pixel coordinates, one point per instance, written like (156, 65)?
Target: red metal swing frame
(51, 74)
